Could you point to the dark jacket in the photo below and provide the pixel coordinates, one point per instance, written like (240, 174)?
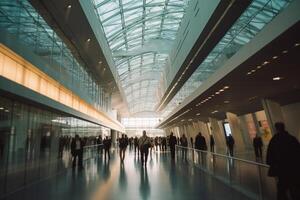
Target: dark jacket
(257, 142)
(183, 142)
(283, 156)
(107, 143)
(212, 140)
(172, 141)
(200, 143)
(123, 142)
(230, 141)
(73, 145)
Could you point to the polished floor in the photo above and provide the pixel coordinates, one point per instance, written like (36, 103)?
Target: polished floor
(111, 180)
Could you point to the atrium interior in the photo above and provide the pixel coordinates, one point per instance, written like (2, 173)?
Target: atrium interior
(102, 69)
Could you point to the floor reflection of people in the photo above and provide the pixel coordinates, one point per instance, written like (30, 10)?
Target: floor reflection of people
(144, 185)
(172, 176)
(123, 177)
(106, 170)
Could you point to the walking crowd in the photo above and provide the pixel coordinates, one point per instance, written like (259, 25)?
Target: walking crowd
(282, 153)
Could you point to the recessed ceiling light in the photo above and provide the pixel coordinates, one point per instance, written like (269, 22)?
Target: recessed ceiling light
(217, 93)
(198, 114)
(214, 111)
(88, 40)
(285, 51)
(182, 120)
(1, 108)
(266, 62)
(100, 62)
(69, 6)
(226, 101)
(297, 44)
(221, 90)
(249, 73)
(190, 119)
(209, 97)
(6, 110)
(275, 57)
(258, 67)
(252, 98)
(226, 87)
(104, 68)
(253, 70)
(277, 78)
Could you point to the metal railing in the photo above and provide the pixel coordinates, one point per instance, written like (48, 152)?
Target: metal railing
(91, 151)
(248, 177)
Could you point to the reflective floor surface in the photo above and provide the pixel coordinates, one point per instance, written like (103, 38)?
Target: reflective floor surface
(111, 180)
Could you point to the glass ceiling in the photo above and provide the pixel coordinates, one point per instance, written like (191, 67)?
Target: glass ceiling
(140, 34)
(258, 14)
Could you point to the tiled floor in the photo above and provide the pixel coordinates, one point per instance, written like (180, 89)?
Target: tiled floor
(162, 179)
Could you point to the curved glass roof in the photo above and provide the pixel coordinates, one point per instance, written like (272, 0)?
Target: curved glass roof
(140, 34)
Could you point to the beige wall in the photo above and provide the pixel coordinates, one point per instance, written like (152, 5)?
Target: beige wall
(291, 115)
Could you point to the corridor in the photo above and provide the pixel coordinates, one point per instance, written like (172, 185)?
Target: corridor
(161, 179)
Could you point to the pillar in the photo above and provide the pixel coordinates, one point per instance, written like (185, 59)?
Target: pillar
(113, 135)
(236, 130)
(218, 134)
(273, 113)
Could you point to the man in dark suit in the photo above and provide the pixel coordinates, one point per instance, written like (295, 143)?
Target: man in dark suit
(77, 151)
(283, 157)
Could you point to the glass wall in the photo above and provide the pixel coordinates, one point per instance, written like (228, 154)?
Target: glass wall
(21, 20)
(31, 141)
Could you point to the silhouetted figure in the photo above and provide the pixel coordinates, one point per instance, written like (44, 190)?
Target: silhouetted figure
(184, 144)
(136, 145)
(107, 145)
(257, 144)
(77, 151)
(192, 142)
(212, 143)
(200, 142)
(123, 142)
(230, 144)
(283, 156)
(99, 142)
(164, 143)
(172, 143)
(151, 146)
(144, 144)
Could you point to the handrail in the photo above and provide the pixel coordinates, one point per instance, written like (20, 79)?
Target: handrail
(95, 145)
(226, 156)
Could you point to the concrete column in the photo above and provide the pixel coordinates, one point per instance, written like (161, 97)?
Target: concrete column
(236, 130)
(273, 113)
(218, 134)
(248, 129)
(191, 129)
(113, 135)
